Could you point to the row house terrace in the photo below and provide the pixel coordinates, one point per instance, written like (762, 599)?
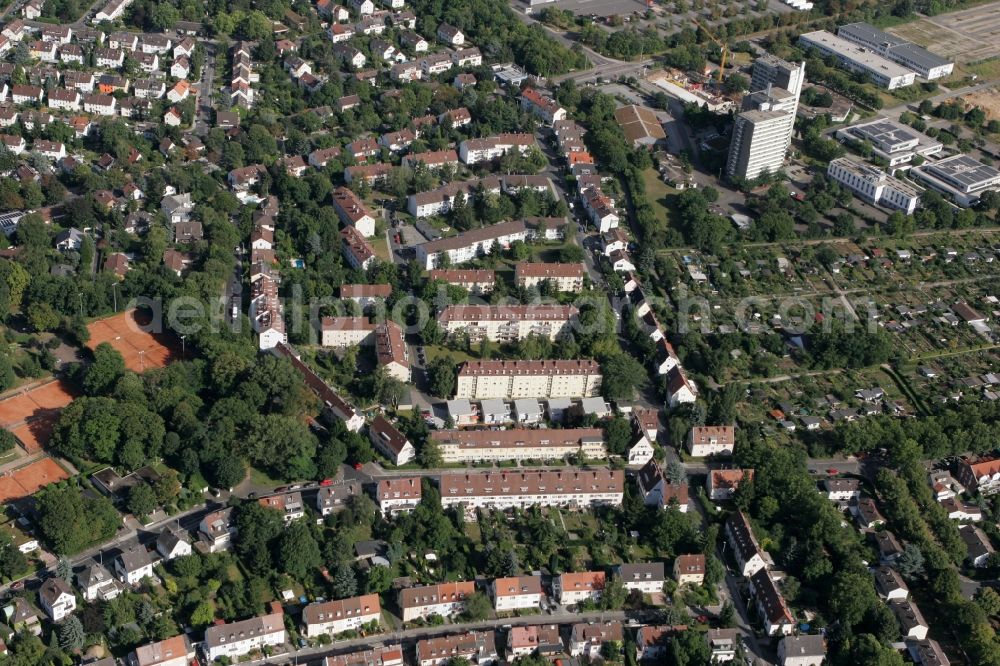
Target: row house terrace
(571, 489)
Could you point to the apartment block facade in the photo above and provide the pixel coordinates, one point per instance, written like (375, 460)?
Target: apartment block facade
(507, 323)
(473, 446)
(509, 380)
(572, 489)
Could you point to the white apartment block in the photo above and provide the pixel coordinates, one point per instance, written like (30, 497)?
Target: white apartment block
(571, 489)
(711, 441)
(516, 592)
(176, 651)
(892, 141)
(471, 244)
(898, 50)
(346, 331)
(473, 280)
(873, 185)
(389, 655)
(509, 380)
(881, 71)
(960, 177)
(572, 588)
(477, 647)
(336, 617)
(236, 639)
(474, 151)
(562, 277)
(760, 141)
(473, 446)
(647, 578)
(395, 495)
(442, 199)
(739, 534)
(507, 323)
(444, 599)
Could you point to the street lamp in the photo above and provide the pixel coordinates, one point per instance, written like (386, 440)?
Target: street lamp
(80, 294)
(114, 292)
(183, 348)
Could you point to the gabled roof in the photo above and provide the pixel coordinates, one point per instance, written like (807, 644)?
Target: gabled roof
(135, 558)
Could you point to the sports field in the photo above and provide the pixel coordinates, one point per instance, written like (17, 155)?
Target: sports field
(141, 350)
(30, 478)
(30, 414)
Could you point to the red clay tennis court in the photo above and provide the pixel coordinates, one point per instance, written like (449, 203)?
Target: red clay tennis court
(30, 478)
(141, 350)
(31, 414)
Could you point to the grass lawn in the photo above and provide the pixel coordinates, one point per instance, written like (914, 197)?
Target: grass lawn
(474, 532)
(381, 248)
(260, 478)
(658, 192)
(434, 351)
(987, 69)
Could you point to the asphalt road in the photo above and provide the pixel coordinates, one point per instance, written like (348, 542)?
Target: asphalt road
(203, 102)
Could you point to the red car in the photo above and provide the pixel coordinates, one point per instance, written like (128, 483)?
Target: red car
(326, 482)
(358, 466)
(833, 471)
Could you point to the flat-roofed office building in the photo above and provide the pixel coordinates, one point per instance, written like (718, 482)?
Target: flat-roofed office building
(900, 51)
(960, 177)
(894, 142)
(882, 71)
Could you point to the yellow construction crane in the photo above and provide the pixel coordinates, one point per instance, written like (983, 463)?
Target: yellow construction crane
(723, 47)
